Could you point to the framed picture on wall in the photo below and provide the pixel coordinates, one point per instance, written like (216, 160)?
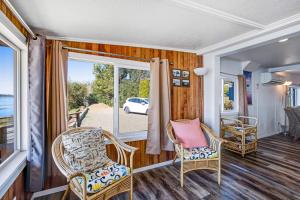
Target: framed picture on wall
(176, 82)
(186, 83)
(176, 73)
(185, 74)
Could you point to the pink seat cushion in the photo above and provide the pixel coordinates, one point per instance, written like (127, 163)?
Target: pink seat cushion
(189, 134)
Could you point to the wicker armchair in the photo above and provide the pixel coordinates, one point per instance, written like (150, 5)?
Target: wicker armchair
(190, 165)
(125, 184)
(293, 115)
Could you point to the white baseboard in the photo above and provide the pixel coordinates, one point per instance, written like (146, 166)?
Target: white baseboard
(64, 187)
(142, 169)
(49, 191)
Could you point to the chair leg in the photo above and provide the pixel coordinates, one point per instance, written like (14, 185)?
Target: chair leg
(174, 159)
(181, 174)
(219, 176)
(131, 195)
(219, 170)
(131, 188)
(64, 197)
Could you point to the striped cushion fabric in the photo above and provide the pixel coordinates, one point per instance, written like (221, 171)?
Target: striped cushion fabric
(84, 149)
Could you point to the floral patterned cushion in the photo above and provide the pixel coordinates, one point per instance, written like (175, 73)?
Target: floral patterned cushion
(199, 153)
(103, 177)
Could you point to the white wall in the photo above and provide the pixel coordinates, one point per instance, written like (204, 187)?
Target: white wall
(212, 92)
(268, 105)
(268, 101)
(230, 66)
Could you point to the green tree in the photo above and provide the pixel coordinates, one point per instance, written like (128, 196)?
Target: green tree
(129, 83)
(144, 88)
(77, 93)
(103, 86)
(92, 99)
(129, 80)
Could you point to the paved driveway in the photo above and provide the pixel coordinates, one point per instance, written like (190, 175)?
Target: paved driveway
(101, 115)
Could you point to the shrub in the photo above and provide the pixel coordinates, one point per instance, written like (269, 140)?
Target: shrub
(144, 88)
(92, 99)
(77, 93)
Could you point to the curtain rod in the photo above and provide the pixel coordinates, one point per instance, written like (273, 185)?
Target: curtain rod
(109, 54)
(18, 16)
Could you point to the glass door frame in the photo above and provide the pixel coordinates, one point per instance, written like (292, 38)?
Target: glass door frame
(117, 64)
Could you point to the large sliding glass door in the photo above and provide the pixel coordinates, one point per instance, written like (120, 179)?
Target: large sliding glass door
(115, 96)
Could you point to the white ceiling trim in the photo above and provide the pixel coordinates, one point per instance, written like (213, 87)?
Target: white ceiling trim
(281, 24)
(118, 43)
(285, 68)
(224, 15)
(285, 22)
(256, 41)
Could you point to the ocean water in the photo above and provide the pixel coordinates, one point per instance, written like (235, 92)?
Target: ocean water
(6, 106)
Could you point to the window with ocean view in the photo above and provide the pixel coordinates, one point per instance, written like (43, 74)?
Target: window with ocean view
(7, 101)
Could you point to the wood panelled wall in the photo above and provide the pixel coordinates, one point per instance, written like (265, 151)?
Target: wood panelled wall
(12, 18)
(16, 190)
(187, 102)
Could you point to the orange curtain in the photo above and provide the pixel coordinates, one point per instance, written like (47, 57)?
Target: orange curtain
(56, 104)
(243, 103)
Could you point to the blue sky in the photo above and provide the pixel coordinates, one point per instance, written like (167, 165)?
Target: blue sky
(80, 71)
(6, 70)
(77, 70)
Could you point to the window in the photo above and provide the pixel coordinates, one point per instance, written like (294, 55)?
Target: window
(8, 100)
(109, 94)
(133, 111)
(229, 95)
(294, 96)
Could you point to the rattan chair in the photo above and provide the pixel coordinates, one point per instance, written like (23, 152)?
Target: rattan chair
(190, 165)
(293, 115)
(123, 185)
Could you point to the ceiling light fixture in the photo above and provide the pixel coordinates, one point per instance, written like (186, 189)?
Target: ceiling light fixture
(288, 83)
(283, 40)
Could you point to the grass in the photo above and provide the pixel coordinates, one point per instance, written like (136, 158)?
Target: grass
(74, 110)
(6, 121)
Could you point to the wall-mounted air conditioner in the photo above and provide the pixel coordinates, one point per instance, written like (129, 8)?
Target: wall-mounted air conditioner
(271, 79)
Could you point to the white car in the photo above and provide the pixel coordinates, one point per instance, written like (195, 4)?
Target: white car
(136, 105)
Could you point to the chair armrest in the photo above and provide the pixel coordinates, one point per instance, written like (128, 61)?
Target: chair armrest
(119, 142)
(215, 142)
(176, 142)
(250, 118)
(79, 174)
(209, 131)
(121, 147)
(234, 121)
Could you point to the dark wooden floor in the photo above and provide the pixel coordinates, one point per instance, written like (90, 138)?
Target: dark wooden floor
(272, 173)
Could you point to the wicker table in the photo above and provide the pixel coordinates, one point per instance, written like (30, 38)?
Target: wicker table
(241, 137)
